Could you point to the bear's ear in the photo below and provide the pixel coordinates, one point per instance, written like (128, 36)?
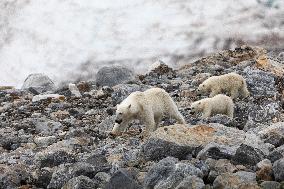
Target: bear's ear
(129, 106)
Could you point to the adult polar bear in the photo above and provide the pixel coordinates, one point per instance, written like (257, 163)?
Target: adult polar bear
(232, 83)
(148, 106)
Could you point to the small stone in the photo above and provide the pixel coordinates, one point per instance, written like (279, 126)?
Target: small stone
(45, 141)
(264, 171)
(74, 90)
(48, 96)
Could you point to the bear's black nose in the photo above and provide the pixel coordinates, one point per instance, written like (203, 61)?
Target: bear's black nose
(118, 121)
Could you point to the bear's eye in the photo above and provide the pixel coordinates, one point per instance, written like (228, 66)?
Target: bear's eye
(119, 113)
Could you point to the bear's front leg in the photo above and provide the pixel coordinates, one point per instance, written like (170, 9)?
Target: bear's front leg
(149, 123)
(214, 92)
(206, 113)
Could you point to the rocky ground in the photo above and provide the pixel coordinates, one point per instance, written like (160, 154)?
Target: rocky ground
(58, 137)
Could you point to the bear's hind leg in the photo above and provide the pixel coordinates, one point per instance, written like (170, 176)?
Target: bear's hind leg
(230, 112)
(206, 113)
(158, 120)
(149, 123)
(179, 118)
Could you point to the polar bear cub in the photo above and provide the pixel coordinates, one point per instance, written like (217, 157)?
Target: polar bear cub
(232, 83)
(219, 104)
(149, 107)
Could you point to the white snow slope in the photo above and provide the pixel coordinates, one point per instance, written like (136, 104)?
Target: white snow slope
(57, 37)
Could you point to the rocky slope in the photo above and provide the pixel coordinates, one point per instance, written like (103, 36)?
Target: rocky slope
(58, 137)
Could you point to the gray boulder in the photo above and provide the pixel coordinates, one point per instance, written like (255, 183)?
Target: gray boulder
(38, 83)
(278, 169)
(123, 179)
(191, 182)
(274, 134)
(276, 154)
(169, 173)
(270, 185)
(80, 182)
(181, 140)
(53, 158)
(236, 180)
(65, 172)
(113, 75)
(247, 155)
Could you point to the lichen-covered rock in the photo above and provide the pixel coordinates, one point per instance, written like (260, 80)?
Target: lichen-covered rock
(39, 82)
(247, 155)
(9, 139)
(216, 151)
(270, 185)
(42, 177)
(65, 172)
(180, 140)
(113, 75)
(54, 158)
(260, 83)
(168, 173)
(191, 182)
(234, 180)
(278, 169)
(276, 154)
(264, 170)
(274, 134)
(218, 167)
(14, 176)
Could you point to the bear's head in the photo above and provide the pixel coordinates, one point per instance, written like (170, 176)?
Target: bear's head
(124, 113)
(202, 88)
(196, 107)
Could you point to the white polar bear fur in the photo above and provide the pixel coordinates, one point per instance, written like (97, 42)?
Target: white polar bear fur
(219, 104)
(231, 83)
(149, 107)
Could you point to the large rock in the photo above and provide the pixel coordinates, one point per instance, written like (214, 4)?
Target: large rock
(66, 172)
(180, 140)
(39, 83)
(191, 182)
(260, 83)
(54, 158)
(235, 180)
(276, 154)
(168, 173)
(9, 139)
(123, 179)
(270, 185)
(248, 155)
(13, 176)
(113, 75)
(273, 134)
(80, 182)
(278, 169)
(218, 167)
